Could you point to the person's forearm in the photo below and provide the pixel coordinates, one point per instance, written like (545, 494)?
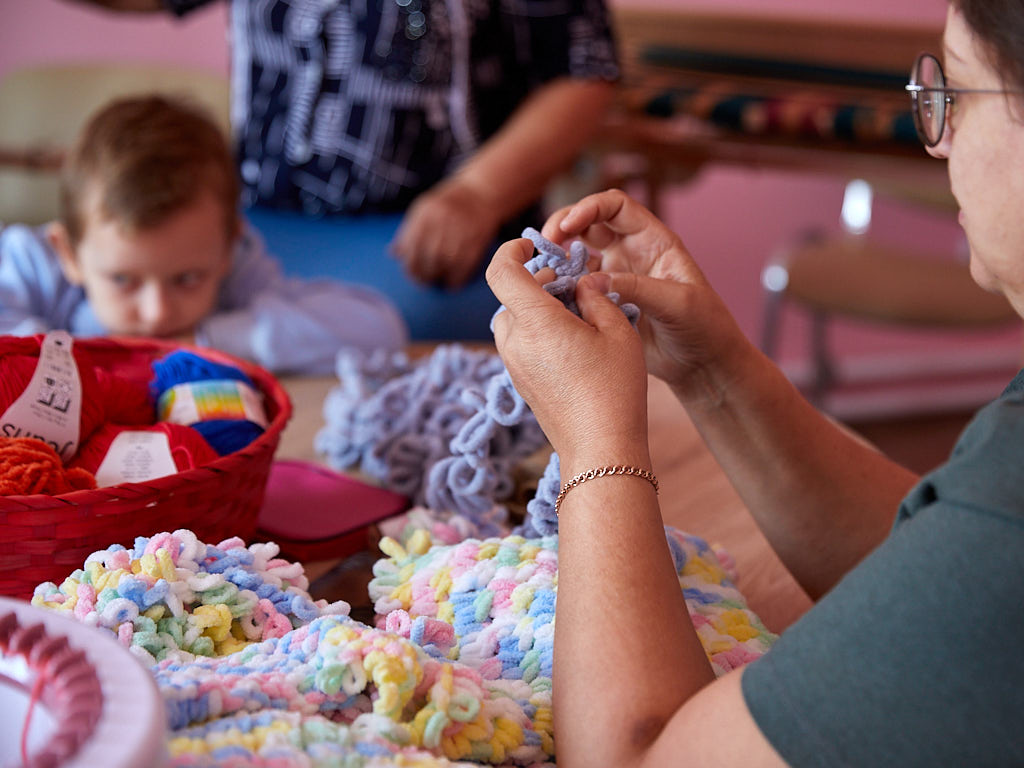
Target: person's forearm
(538, 141)
(626, 654)
(823, 497)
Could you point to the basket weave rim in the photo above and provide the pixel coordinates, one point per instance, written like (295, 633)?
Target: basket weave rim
(270, 386)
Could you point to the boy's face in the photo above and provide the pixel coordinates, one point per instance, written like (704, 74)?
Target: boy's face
(161, 281)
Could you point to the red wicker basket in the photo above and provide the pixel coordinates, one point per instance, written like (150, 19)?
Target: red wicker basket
(45, 538)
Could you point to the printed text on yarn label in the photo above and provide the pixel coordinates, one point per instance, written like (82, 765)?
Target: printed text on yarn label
(50, 407)
(135, 457)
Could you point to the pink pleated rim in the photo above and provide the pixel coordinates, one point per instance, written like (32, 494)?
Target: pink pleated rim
(71, 689)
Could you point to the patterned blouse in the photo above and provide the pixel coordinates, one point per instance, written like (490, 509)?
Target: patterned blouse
(360, 105)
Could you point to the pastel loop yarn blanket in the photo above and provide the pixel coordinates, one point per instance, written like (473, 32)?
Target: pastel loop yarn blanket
(173, 595)
(285, 739)
(235, 644)
(459, 667)
(386, 686)
(498, 597)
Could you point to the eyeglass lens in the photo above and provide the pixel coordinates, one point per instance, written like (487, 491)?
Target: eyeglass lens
(929, 105)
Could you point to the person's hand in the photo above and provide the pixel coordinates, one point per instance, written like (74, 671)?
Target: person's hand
(628, 236)
(444, 234)
(584, 378)
(685, 325)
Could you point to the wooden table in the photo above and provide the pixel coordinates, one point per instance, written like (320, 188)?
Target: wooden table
(695, 497)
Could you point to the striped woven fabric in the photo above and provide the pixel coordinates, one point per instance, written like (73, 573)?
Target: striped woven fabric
(776, 97)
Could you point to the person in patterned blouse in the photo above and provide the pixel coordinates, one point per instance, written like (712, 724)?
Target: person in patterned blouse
(458, 112)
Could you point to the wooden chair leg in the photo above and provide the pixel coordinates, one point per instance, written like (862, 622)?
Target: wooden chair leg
(771, 316)
(824, 375)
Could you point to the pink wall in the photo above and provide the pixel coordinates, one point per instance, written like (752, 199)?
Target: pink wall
(46, 31)
(731, 218)
(61, 30)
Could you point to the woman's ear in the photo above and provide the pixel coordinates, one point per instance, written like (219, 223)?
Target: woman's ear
(59, 239)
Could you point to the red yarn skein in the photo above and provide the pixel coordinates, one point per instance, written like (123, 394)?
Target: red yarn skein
(29, 466)
(18, 359)
(124, 401)
(188, 448)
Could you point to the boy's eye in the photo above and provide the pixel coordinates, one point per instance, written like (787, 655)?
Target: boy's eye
(188, 279)
(123, 280)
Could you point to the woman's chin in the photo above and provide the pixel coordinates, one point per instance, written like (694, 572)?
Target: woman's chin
(982, 276)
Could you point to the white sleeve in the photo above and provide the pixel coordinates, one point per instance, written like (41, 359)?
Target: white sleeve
(33, 292)
(291, 325)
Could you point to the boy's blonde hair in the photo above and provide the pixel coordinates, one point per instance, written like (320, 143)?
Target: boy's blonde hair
(147, 157)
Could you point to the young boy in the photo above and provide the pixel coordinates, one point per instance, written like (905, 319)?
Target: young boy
(150, 243)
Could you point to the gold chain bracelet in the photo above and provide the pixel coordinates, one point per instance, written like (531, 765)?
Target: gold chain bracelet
(590, 474)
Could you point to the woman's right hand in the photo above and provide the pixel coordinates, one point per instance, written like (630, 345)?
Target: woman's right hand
(583, 377)
(689, 334)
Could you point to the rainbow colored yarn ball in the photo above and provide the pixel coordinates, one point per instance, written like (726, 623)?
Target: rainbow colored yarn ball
(217, 400)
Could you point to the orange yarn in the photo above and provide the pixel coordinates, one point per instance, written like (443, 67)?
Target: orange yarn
(30, 466)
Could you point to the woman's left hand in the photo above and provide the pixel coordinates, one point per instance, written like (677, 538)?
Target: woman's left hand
(583, 377)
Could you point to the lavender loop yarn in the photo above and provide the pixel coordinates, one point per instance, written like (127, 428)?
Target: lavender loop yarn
(549, 254)
(474, 434)
(448, 430)
(425, 429)
(569, 267)
(504, 404)
(540, 510)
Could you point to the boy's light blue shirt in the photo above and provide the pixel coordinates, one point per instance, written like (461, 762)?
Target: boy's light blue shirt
(284, 324)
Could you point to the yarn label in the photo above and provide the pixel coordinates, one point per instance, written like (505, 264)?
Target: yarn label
(135, 457)
(210, 400)
(50, 408)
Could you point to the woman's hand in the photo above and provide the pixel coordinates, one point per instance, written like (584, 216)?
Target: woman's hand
(687, 329)
(584, 378)
(629, 237)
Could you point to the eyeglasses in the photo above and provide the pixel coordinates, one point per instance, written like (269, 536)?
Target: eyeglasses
(929, 97)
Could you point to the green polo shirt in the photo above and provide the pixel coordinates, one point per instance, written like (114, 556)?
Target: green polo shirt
(916, 658)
